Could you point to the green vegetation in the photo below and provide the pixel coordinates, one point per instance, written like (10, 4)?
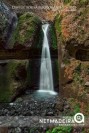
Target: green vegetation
(66, 1)
(58, 20)
(56, 70)
(7, 80)
(13, 65)
(75, 106)
(58, 23)
(77, 74)
(82, 2)
(29, 74)
(26, 28)
(40, 39)
(5, 85)
(53, 37)
(60, 130)
(66, 61)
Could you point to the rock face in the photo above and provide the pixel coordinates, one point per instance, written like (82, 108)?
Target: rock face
(72, 22)
(72, 28)
(45, 9)
(13, 77)
(26, 31)
(3, 23)
(13, 74)
(18, 32)
(74, 25)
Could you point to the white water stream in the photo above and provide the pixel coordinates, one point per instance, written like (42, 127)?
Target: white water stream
(46, 75)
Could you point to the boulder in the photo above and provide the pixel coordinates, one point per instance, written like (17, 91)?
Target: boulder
(26, 33)
(13, 78)
(72, 25)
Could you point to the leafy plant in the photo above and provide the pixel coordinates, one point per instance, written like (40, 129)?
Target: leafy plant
(60, 130)
(75, 106)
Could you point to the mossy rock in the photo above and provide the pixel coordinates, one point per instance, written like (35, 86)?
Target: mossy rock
(52, 36)
(13, 76)
(26, 29)
(67, 1)
(58, 19)
(3, 25)
(83, 2)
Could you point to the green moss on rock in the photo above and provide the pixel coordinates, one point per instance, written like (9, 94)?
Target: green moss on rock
(67, 1)
(53, 37)
(61, 129)
(26, 28)
(82, 2)
(13, 77)
(58, 23)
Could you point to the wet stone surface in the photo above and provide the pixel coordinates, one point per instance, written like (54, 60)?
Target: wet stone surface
(34, 104)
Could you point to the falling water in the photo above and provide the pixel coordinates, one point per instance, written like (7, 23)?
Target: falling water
(46, 75)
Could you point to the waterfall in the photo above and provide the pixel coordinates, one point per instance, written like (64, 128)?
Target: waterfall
(46, 75)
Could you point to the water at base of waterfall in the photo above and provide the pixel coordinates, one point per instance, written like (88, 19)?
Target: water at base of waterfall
(48, 92)
(46, 75)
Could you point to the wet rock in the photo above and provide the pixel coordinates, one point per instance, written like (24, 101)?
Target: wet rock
(19, 100)
(29, 105)
(27, 28)
(11, 104)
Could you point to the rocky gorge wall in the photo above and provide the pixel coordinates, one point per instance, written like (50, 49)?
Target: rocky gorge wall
(72, 30)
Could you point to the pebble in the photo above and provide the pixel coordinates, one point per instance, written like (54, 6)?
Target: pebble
(30, 106)
(87, 84)
(11, 104)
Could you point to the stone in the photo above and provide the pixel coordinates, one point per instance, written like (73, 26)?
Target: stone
(62, 65)
(11, 104)
(18, 130)
(19, 100)
(50, 113)
(67, 107)
(87, 84)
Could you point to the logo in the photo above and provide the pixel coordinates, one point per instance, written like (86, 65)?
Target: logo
(79, 118)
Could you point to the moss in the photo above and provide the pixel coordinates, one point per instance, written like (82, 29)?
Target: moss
(66, 61)
(26, 28)
(57, 69)
(77, 75)
(7, 80)
(61, 129)
(58, 19)
(12, 66)
(4, 88)
(53, 37)
(40, 39)
(29, 75)
(5, 85)
(67, 1)
(83, 2)
(75, 106)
